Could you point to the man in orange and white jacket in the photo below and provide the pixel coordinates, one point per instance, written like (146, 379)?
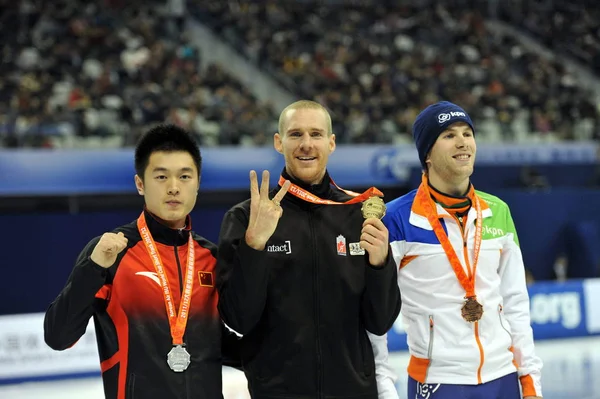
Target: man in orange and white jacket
(465, 305)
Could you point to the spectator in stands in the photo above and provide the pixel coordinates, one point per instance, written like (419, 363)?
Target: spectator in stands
(461, 274)
(564, 26)
(81, 73)
(302, 275)
(149, 286)
(366, 60)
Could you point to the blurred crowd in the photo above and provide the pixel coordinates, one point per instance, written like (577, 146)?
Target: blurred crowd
(79, 73)
(567, 27)
(376, 63)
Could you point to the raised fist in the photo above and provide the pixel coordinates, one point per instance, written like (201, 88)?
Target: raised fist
(108, 248)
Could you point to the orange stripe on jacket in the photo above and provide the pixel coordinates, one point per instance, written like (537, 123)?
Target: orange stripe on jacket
(417, 368)
(406, 260)
(527, 386)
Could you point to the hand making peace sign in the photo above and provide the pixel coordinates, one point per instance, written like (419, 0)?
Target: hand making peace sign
(264, 212)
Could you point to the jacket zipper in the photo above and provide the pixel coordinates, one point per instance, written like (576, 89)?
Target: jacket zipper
(430, 348)
(476, 324)
(316, 303)
(178, 270)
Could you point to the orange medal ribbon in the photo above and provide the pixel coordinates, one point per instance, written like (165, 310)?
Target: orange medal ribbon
(468, 283)
(177, 321)
(309, 197)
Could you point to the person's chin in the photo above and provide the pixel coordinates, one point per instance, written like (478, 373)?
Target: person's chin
(308, 178)
(173, 215)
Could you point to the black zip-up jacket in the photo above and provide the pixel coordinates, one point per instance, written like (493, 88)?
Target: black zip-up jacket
(304, 304)
(132, 329)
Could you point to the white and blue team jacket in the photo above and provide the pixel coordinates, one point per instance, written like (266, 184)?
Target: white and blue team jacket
(443, 347)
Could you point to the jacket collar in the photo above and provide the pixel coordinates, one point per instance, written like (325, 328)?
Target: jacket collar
(418, 216)
(322, 190)
(166, 235)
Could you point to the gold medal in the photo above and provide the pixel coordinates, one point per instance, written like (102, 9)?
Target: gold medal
(472, 310)
(373, 207)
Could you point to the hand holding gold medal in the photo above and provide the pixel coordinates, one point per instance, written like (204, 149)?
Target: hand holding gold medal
(373, 207)
(374, 234)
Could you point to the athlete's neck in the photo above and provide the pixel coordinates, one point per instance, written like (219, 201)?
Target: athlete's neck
(172, 224)
(314, 182)
(455, 189)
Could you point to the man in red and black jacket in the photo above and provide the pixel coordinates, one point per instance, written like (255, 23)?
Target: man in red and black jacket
(150, 287)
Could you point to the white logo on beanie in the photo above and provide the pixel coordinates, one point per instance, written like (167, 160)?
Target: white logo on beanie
(445, 117)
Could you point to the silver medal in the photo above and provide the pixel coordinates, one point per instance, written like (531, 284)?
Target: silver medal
(178, 359)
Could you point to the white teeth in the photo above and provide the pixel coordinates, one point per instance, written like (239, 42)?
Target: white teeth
(462, 157)
(305, 158)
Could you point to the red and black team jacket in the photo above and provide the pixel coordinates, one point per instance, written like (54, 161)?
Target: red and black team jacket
(132, 327)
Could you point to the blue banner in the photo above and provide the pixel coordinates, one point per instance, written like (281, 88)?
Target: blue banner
(71, 172)
(558, 310)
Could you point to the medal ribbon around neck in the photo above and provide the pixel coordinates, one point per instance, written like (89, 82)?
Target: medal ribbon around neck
(423, 196)
(177, 321)
(309, 197)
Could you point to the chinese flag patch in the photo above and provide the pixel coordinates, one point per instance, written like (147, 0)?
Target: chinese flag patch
(206, 279)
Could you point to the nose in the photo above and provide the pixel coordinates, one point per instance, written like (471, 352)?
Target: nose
(173, 188)
(460, 142)
(306, 142)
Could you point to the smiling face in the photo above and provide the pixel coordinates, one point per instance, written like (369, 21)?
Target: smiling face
(451, 159)
(170, 186)
(305, 141)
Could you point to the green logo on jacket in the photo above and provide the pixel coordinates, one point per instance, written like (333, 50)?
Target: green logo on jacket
(500, 223)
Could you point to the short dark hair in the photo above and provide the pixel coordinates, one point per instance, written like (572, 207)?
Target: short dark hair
(167, 138)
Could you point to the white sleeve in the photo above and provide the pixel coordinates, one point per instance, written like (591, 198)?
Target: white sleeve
(386, 378)
(516, 311)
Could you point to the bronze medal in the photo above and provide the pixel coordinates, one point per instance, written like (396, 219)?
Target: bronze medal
(472, 310)
(373, 207)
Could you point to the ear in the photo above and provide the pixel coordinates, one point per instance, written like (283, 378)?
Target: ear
(278, 143)
(428, 162)
(331, 143)
(139, 184)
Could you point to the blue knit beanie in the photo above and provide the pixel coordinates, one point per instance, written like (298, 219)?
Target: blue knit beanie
(432, 121)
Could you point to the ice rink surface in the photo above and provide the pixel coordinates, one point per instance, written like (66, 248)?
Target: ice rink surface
(571, 371)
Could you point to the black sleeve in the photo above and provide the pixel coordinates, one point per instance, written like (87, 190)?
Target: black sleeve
(67, 317)
(242, 274)
(381, 301)
(231, 349)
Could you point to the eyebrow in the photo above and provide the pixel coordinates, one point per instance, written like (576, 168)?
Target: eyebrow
(312, 129)
(163, 169)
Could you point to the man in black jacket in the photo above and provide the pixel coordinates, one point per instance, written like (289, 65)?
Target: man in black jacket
(302, 275)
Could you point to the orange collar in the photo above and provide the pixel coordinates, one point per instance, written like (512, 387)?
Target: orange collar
(447, 202)
(453, 204)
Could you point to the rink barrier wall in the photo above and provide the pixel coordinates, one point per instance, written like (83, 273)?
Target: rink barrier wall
(558, 310)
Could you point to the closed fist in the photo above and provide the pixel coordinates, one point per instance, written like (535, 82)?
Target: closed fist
(108, 248)
(374, 238)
